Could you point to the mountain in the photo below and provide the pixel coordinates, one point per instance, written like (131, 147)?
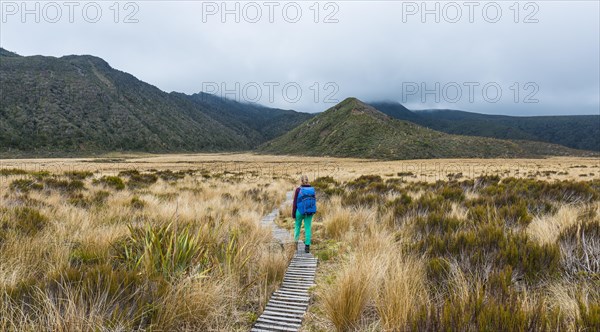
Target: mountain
(6, 53)
(252, 120)
(574, 131)
(79, 105)
(355, 129)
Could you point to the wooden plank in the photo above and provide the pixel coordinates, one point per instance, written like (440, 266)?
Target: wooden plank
(299, 275)
(278, 296)
(275, 327)
(278, 318)
(285, 292)
(290, 303)
(277, 322)
(296, 305)
(296, 284)
(299, 281)
(283, 308)
(292, 292)
(274, 312)
(295, 269)
(292, 288)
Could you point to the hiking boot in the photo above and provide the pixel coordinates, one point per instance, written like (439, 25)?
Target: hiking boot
(307, 248)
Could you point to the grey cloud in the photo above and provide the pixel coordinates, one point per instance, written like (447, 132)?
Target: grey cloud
(370, 53)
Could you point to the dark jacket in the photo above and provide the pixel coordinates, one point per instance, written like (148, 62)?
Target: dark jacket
(296, 199)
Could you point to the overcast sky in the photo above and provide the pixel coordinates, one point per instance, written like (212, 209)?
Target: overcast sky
(536, 58)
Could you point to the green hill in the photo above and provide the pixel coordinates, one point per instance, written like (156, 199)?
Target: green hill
(354, 129)
(574, 131)
(79, 105)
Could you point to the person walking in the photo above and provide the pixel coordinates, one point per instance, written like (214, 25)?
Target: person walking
(303, 210)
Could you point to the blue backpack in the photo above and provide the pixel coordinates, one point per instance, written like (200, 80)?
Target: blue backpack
(307, 202)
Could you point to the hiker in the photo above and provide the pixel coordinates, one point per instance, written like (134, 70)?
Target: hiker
(304, 207)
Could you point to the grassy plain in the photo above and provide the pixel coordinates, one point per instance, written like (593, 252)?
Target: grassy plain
(173, 243)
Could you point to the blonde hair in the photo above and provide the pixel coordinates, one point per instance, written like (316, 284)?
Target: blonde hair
(304, 179)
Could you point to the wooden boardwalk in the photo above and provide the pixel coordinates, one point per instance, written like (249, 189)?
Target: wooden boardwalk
(287, 305)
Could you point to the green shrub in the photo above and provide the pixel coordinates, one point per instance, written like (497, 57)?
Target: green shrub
(137, 203)
(129, 173)
(437, 222)
(79, 200)
(430, 202)
(516, 213)
(25, 185)
(452, 193)
(78, 175)
(438, 270)
(403, 174)
(12, 171)
(64, 185)
(481, 312)
(357, 198)
(40, 175)
(100, 197)
(114, 182)
(364, 181)
(169, 175)
(97, 199)
(25, 220)
(489, 243)
(324, 181)
(326, 186)
(141, 180)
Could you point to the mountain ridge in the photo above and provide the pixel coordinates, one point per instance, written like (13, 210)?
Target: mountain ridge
(574, 131)
(80, 105)
(355, 129)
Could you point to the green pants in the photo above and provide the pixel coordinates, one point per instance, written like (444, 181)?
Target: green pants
(307, 227)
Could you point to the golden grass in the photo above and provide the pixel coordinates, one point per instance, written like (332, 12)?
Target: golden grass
(402, 292)
(547, 228)
(370, 281)
(346, 298)
(429, 170)
(223, 210)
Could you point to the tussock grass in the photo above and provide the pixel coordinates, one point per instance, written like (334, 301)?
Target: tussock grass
(491, 253)
(141, 250)
(345, 299)
(419, 251)
(402, 292)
